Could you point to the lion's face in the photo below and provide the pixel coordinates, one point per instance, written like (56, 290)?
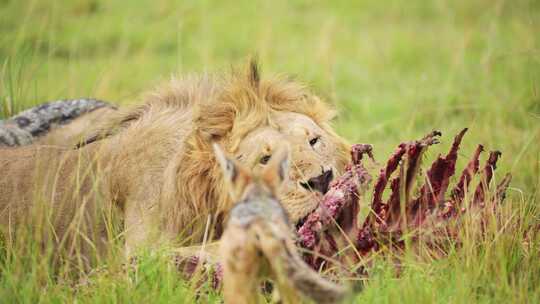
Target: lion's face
(314, 161)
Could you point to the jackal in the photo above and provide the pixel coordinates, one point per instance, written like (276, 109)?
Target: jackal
(258, 242)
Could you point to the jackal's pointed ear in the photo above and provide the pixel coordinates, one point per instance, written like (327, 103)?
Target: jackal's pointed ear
(236, 176)
(277, 170)
(228, 166)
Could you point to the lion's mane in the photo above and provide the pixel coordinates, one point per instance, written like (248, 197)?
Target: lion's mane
(224, 109)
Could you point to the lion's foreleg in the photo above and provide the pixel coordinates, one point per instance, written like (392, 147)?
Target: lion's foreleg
(200, 263)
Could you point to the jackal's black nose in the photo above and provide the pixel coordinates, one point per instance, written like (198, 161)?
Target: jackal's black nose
(319, 183)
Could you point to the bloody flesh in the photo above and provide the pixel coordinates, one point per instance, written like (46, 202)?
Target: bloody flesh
(403, 211)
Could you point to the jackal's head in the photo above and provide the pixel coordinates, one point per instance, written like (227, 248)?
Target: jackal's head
(243, 183)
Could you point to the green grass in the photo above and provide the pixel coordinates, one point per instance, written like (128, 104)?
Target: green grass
(395, 70)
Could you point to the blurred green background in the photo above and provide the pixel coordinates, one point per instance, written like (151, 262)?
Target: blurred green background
(394, 69)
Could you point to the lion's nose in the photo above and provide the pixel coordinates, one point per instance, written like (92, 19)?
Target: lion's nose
(319, 183)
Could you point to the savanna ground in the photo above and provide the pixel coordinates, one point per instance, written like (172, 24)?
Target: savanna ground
(394, 69)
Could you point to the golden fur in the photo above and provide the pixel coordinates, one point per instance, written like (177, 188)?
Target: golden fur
(68, 135)
(155, 161)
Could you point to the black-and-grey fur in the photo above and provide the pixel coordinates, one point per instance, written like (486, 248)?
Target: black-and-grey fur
(22, 128)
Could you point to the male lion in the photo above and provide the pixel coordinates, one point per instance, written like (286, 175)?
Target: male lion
(153, 164)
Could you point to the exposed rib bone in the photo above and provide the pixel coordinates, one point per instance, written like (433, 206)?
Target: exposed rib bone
(483, 185)
(343, 191)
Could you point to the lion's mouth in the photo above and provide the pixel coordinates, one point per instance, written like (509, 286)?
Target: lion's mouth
(319, 183)
(318, 187)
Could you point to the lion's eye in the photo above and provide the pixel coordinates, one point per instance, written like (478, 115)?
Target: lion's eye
(315, 140)
(265, 159)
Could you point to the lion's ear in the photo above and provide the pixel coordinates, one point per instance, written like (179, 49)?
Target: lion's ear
(277, 170)
(254, 76)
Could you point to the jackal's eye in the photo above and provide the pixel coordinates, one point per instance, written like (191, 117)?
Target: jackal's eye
(314, 141)
(264, 160)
